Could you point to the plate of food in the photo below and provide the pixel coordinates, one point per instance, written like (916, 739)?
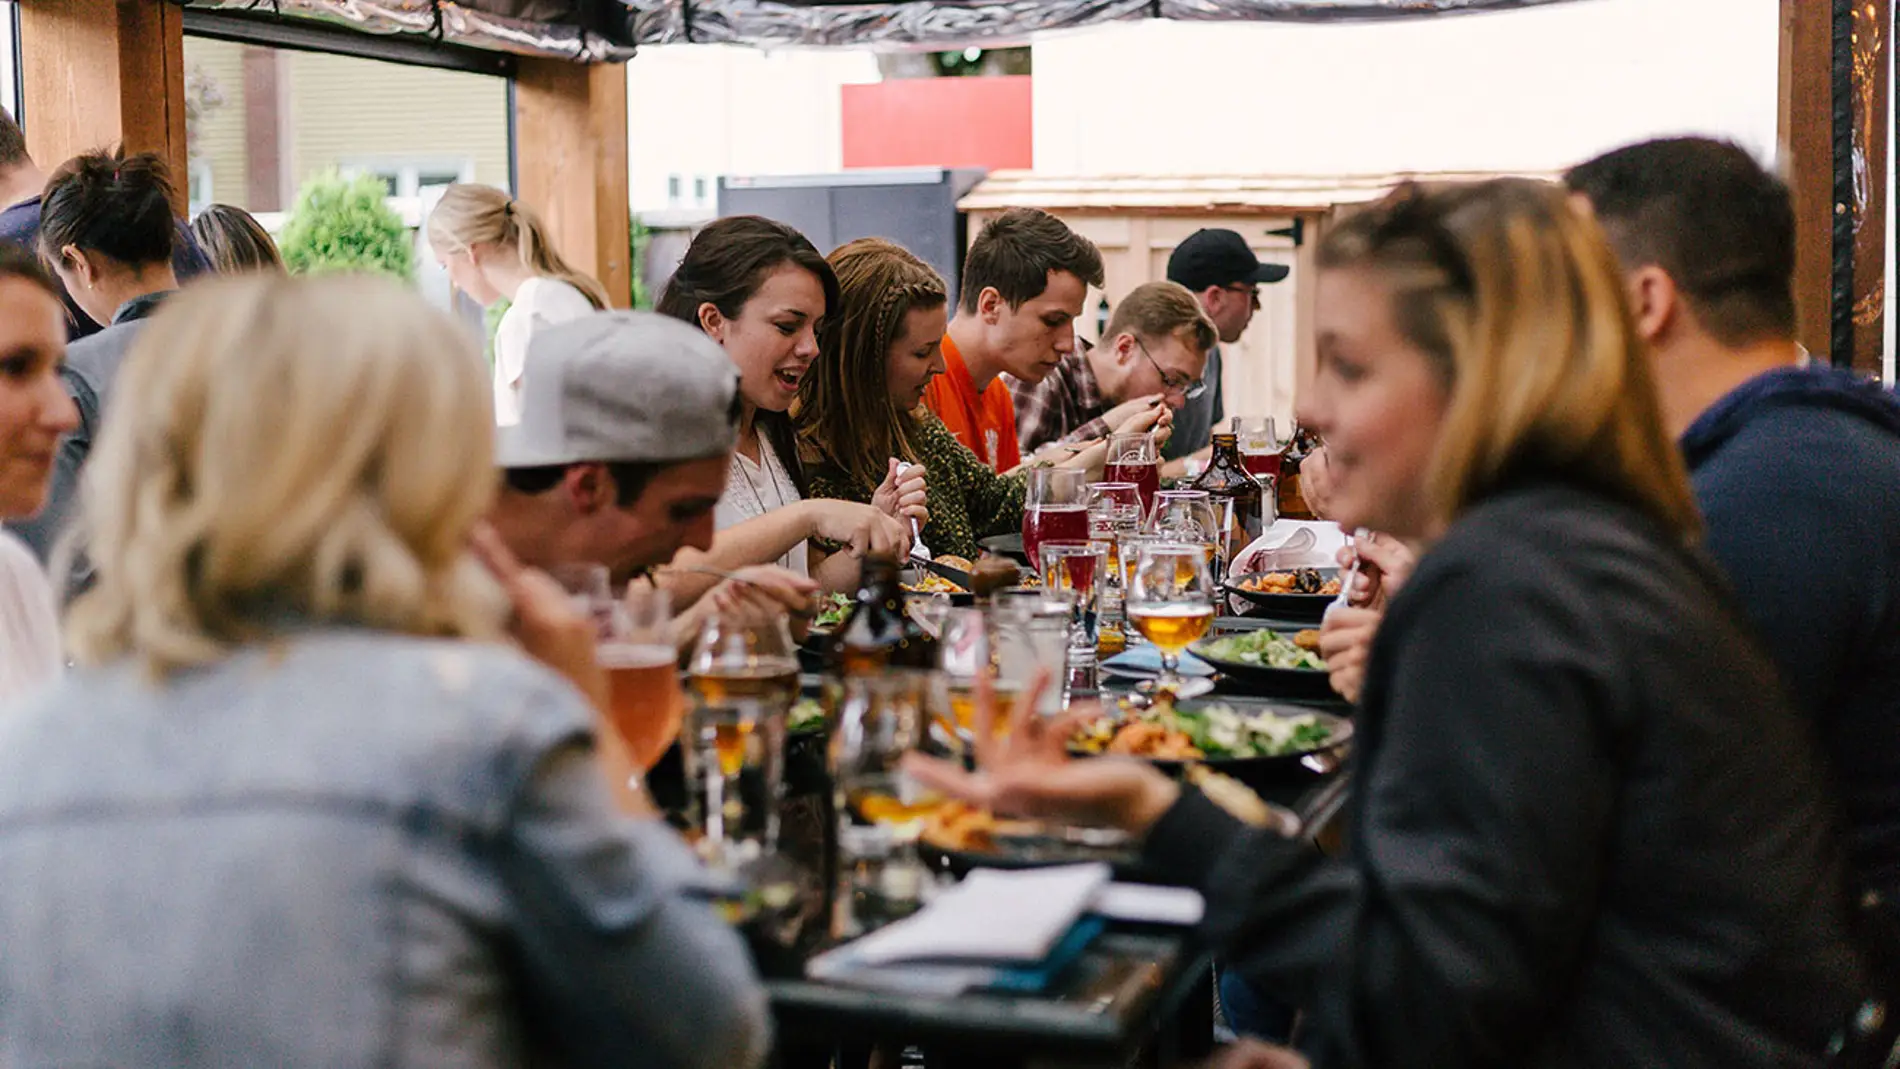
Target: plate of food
(1285, 663)
(832, 609)
(1292, 594)
(1256, 743)
(958, 837)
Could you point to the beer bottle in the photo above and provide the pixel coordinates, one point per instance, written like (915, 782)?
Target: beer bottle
(1234, 493)
(878, 633)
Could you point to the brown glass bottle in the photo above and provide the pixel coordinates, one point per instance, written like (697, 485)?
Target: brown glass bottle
(1298, 448)
(1234, 493)
(878, 633)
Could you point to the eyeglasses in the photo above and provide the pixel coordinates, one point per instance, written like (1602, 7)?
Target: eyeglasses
(1174, 381)
(1252, 292)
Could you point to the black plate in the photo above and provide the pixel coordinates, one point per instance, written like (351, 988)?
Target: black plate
(1306, 608)
(1037, 853)
(1269, 776)
(1006, 545)
(1272, 682)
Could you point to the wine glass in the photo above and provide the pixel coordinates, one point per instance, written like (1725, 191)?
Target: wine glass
(1190, 516)
(743, 674)
(1078, 570)
(1170, 600)
(1055, 508)
(644, 700)
(881, 809)
(1135, 458)
(1260, 446)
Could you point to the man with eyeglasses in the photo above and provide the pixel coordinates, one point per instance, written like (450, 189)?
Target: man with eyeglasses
(1223, 273)
(1148, 365)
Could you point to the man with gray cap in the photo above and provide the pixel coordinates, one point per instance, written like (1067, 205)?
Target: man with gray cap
(628, 421)
(1221, 270)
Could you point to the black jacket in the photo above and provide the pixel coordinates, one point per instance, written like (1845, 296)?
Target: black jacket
(1587, 829)
(1798, 473)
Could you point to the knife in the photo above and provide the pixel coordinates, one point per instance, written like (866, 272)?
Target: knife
(955, 575)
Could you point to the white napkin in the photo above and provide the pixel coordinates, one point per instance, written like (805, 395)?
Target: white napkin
(992, 916)
(1290, 544)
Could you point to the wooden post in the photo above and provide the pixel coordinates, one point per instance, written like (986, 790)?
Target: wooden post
(1834, 128)
(99, 73)
(571, 163)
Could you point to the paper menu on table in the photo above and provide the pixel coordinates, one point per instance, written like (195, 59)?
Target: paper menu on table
(992, 916)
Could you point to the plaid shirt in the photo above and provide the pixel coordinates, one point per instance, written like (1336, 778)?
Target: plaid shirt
(1066, 406)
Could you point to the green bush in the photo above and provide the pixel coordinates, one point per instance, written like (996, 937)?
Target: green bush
(342, 224)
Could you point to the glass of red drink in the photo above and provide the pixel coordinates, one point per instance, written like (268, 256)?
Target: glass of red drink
(1135, 458)
(1055, 509)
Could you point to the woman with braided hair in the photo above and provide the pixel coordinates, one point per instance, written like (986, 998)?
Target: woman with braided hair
(495, 248)
(860, 412)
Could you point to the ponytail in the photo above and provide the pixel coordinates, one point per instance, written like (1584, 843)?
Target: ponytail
(539, 255)
(470, 215)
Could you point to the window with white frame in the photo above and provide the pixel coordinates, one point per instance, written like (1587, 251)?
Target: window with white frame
(409, 180)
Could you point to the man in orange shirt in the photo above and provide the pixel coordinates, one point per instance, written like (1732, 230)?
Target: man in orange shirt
(1024, 281)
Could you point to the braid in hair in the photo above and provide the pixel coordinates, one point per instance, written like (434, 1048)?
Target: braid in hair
(844, 414)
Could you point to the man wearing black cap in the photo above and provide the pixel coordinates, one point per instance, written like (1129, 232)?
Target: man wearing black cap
(1222, 271)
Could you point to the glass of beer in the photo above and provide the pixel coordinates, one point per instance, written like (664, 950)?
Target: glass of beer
(643, 683)
(743, 676)
(967, 654)
(881, 809)
(591, 590)
(1170, 600)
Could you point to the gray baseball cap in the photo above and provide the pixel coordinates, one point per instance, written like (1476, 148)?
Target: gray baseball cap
(622, 386)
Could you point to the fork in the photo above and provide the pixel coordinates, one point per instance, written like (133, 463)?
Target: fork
(1344, 598)
(917, 547)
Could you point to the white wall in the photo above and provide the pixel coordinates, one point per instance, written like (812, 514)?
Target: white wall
(711, 110)
(1530, 90)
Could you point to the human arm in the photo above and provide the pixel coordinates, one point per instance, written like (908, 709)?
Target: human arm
(1479, 829)
(621, 958)
(762, 539)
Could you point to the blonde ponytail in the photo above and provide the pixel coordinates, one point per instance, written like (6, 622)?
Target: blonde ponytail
(470, 215)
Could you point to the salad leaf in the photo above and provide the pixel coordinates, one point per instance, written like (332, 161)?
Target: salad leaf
(1263, 649)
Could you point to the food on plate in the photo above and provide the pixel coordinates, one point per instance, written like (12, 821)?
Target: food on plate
(1267, 649)
(1168, 733)
(807, 714)
(832, 609)
(961, 826)
(1298, 581)
(932, 583)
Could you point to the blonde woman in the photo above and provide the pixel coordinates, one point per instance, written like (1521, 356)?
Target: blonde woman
(495, 248)
(309, 804)
(1586, 829)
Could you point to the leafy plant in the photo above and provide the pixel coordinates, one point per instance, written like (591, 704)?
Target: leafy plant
(638, 237)
(345, 224)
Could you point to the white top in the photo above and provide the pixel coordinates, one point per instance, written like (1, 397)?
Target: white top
(29, 622)
(540, 302)
(756, 489)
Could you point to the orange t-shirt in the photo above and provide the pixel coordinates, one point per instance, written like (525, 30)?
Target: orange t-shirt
(985, 422)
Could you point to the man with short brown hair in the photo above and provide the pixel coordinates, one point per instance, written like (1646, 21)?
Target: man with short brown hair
(1148, 365)
(1025, 279)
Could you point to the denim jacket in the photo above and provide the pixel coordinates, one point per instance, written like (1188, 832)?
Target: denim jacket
(345, 848)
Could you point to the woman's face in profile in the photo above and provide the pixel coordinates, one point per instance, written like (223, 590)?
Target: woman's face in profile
(35, 409)
(1377, 401)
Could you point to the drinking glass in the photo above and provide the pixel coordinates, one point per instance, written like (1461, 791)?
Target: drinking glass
(1260, 446)
(1190, 516)
(744, 678)
(1055, 508)
(644, 699)
(1170, 600)
(965, 654)
(591, 590)
(1078, 569)
(881, 809)
(1135, 458)
(1030, 629)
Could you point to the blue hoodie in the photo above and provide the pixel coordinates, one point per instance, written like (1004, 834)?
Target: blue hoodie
(1798, 475)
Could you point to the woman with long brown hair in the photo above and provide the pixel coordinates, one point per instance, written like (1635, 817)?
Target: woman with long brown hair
(1587, 828)
(496, 248)
(761, 290)
(860, 411)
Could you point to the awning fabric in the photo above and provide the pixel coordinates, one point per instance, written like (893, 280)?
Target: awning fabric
(606, 31)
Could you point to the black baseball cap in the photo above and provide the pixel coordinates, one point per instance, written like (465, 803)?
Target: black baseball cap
(1218, 258)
